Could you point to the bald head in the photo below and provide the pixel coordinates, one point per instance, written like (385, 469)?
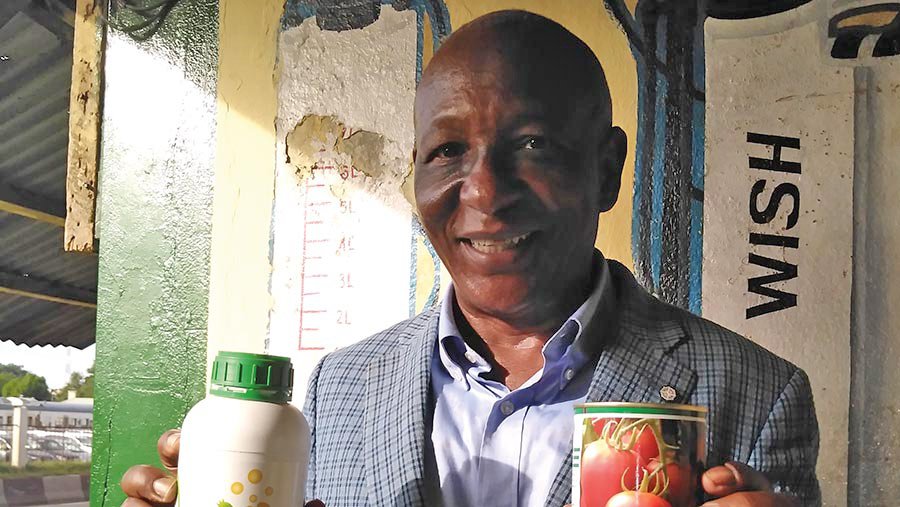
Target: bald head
(528, 54)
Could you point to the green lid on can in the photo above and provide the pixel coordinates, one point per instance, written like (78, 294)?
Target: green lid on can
(257, 377)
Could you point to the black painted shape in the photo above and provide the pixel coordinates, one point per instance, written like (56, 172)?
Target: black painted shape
(646, 143)
(340, 15)
(746, 9)
(781, 300)
(774, 240)
(847, 40)
(674, 280)
(697, 194)
(889, 43)
(648, 9)
(846, 46)
(664, 37)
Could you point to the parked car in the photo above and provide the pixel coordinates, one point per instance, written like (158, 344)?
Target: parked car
(5, 450)
(72, 447)
(51, 449)
(43, 450)
(86, 441)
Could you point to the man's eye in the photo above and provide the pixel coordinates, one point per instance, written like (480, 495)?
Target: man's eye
(535, 143)
(448, 150)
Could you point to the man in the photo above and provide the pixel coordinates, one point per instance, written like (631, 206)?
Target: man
(471, 403)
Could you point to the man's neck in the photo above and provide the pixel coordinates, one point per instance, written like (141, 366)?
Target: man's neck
(514, 347)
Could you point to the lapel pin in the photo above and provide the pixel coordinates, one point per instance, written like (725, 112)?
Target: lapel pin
(668, 393)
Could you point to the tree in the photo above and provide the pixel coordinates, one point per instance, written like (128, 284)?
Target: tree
(82, 385)
(87, 387)
(75, 382)
(28, 386)
(13, 369)
(4, 378)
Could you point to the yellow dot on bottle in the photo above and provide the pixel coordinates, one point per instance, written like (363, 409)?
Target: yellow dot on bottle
(254, 476)
(237, 488)
(252, 498)
(269, 491)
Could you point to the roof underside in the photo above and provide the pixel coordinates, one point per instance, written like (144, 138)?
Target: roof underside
(47, 296)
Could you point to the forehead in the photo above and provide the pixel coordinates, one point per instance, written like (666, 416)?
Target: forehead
(495, 89)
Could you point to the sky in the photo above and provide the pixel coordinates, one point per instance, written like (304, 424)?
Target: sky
(53, 363)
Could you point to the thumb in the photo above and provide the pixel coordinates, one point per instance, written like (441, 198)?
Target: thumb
(733, 477)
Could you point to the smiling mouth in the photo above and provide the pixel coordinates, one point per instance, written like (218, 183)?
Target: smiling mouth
(497, 245)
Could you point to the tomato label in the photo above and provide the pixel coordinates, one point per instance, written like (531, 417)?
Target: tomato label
(629, 454)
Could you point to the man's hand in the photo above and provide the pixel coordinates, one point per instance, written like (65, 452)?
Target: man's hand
(148, 486)
(737, 485)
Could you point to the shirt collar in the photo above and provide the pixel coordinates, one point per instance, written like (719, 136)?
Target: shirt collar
(568, 348)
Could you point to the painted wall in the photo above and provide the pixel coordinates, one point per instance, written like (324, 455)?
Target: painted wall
(778, 234)
(156, 178)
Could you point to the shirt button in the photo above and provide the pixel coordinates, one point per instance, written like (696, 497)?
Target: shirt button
(507, 407)
(472, 357)
(570, 374)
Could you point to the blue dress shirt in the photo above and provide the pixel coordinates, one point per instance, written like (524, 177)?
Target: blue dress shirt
(496, 447)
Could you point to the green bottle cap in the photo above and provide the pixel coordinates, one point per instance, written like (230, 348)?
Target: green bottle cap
(256, 377)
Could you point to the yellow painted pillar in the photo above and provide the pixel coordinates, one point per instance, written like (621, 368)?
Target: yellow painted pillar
(239, 299)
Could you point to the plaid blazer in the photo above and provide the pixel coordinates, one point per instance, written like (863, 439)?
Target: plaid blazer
(370, 410)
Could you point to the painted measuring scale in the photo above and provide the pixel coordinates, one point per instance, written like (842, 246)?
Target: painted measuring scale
(245, 444)
(638, 454)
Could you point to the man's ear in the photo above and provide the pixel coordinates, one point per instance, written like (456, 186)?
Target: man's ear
(612, 161)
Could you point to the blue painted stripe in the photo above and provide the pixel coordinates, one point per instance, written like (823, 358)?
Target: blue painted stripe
(695, 295)
(637, 248)
(659, 155)
(423, 8)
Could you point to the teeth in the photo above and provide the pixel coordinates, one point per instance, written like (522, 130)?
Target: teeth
(492, 246)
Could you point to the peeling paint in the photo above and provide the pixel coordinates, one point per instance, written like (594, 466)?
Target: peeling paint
(323, 142)
(344, 142)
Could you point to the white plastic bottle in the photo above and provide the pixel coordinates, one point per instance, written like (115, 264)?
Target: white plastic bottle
(245, 444)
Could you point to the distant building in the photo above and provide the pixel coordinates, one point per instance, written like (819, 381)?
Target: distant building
(71, 413)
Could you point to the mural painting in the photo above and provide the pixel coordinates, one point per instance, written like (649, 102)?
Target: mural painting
(751, 126)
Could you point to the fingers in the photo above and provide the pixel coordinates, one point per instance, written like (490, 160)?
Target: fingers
(753, 499)
(168, 446)
(150, 484)
(733, 477)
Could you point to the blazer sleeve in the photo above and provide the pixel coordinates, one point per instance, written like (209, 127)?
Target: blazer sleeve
(788, 445)
(309, 410)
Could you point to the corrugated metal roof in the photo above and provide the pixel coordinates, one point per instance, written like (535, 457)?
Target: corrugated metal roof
(34, 101)
(35, 249)
(35, 75)
(31, 321)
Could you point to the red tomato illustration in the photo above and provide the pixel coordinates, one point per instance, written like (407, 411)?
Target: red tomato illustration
(602, 471)
(682, 483)
(637, 499)
(645, 445)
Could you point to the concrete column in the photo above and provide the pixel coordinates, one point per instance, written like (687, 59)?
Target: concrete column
(156, 180)
(19, 456)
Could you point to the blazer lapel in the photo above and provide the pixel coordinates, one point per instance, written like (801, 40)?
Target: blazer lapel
(397, 410)
(634, 364)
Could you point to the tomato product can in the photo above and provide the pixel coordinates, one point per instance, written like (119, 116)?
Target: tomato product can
(638, 454)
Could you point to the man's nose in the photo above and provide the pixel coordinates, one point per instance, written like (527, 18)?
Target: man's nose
(489, 186)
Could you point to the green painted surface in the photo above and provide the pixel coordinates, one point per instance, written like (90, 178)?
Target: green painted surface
(156, 176)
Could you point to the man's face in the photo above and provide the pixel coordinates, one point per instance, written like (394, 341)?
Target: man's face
(511, 174)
